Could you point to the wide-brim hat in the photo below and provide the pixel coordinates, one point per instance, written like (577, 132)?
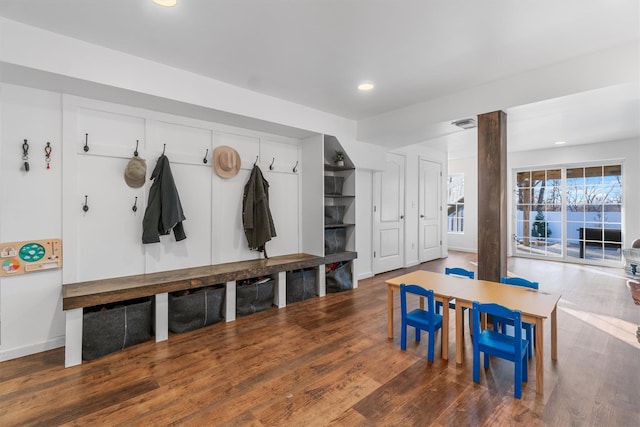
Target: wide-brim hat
(135, 172)
(226, 161)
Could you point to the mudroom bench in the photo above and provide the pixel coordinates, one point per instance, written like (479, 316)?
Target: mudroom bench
(77, 296)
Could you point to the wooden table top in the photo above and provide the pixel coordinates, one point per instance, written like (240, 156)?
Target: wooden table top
(530, 302)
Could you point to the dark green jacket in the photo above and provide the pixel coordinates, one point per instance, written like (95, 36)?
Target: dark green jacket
(256, 216)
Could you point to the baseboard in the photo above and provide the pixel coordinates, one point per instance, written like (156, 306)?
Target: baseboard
(28, 350)
(365, 275)
(470, 250)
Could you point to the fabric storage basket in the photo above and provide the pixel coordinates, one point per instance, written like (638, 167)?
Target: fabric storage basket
(254, 297)
(333, 185)
(301, 285)
(338, 278)
(191, 311)
(334, 240)
(112, 327)
(334, 214)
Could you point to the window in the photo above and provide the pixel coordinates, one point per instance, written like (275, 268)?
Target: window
(571, 213)
(455, 204)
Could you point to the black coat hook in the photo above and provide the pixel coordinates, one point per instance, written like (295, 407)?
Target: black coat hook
(135, 153)
(295, 168)
(135, 205)
(86, 206)
(271, 165)
(256, 162)
(164, 148)
(86, 142)
(205, 157)
(47, 155)
(25, 155)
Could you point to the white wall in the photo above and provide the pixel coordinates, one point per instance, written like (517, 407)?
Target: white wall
(364, 224)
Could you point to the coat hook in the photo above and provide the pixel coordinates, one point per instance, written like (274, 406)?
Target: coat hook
(86, 142)
(135, 205)
(256, 162)
(271, 165)
(295, 168)
(135, 153)
(164, 148)
(25, 155)
(205, 157)
(47, 155)
(86, 206)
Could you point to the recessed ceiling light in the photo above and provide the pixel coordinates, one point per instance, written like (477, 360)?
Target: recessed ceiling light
(560, 142)
(465, 123)
(166, 3)
(365, 86)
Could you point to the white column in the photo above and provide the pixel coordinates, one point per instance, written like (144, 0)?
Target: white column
(230, 306)
(162, 316)
(321, 284)
(280, 290)
(73, 338)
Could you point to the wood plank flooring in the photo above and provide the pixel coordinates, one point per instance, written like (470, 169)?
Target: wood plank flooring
(328, 362)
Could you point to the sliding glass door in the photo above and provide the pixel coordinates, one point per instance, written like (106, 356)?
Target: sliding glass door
(571, 213)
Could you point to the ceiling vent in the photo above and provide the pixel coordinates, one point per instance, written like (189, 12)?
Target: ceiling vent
(465, 123)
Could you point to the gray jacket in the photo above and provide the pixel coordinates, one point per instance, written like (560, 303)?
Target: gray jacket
(256, 216)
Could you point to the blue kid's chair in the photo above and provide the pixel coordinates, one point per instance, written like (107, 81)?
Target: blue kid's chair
(422, 320)
(491, 342)
(528, 327)
(461, 272)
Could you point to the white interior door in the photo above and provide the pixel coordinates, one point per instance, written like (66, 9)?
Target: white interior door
(430, 211)
(389, 215)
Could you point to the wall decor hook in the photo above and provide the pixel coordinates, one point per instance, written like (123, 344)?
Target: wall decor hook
(86, 143)
(205, 157)
(295, 168)
(271, 165)
(47, 154)
(256, 162)
(135, 153)
(25, 155)
(135, 205)
(164, 148)
(86, 206)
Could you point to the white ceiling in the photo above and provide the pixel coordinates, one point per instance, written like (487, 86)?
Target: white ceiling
(315, 52)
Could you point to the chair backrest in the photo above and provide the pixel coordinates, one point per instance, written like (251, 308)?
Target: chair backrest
(499, 311)
(519, 281)
(417, 290)
(457, 271)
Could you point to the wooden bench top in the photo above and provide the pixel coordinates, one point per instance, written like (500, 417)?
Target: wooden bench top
(96, 292)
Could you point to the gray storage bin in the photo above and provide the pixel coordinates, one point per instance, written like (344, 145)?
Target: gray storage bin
(334, 240)
(195, 310)
(333, 185)
(254, 297)
(301, 285)
(338, 279)
(334, 214)
(112, 327)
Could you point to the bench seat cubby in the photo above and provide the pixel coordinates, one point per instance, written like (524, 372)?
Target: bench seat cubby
(158, 287)
(112, 327)
(192, 309)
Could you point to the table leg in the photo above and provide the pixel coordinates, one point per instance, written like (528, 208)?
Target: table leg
(554, 335)
(539, 357)
(389, 312)
(445, 329)
(459, 336)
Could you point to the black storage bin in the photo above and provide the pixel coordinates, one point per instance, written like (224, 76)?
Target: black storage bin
(301, 285)
(195, 310)
(334, 214)
(112, 327)
(338, 278)
(334, 240)
(254, 297)
(333, 185)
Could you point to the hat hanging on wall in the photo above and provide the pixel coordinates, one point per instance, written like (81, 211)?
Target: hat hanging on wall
(135, 172)
(226, 161)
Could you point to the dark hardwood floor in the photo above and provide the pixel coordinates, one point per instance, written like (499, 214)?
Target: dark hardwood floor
(327, 361)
